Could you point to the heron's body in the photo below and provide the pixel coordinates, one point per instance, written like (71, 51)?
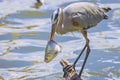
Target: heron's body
(80, 16)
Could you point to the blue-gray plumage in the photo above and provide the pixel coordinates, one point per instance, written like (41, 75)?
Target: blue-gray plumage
(78, 16)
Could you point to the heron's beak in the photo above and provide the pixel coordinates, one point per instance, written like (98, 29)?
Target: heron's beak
(53, 32)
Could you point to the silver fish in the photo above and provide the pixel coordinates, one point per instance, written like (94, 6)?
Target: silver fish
(51, 51)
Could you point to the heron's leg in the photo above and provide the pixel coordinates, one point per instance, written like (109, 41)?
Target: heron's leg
(87, 52)
(84, 33)
(79, 56)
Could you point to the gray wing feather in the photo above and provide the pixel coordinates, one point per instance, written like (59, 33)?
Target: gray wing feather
(88, 16)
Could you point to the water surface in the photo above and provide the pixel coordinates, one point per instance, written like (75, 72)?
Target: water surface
(24, 31)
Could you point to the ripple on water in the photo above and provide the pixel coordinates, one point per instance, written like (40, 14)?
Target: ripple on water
(36, 36)
(27, 49)
(22, 42)
(28, 15)
(13, 63)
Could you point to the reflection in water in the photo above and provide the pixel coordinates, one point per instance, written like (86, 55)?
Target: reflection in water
(27, 49)
(26, 69)
(8, 48)
(1, 78)
(1, 24)
(97, 74)
(38, 4)
(24, 27)
(13, 63)
(117, 13)
(115, 50)
(28, 14)
(6, 52)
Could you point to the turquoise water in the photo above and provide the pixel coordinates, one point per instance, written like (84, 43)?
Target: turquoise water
(24, 31)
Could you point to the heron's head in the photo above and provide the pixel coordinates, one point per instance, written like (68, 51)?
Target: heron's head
(55, 19)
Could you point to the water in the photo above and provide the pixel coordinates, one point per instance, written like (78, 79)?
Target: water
(24, 31)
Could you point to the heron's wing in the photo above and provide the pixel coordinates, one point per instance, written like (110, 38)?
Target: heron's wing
(79, 19)
(88, 17)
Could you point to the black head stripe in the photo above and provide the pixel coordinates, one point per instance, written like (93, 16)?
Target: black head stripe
(55, 15)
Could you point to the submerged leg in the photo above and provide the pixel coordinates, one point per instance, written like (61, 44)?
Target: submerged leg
(87, 52)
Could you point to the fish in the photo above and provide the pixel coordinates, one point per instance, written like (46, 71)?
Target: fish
(51, 51)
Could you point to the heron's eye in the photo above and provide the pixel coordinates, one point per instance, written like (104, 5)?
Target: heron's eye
(55, 16)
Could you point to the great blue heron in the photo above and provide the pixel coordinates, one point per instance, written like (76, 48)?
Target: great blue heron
(80, 17)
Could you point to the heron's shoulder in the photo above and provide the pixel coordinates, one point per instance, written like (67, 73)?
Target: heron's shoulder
(78, 6)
